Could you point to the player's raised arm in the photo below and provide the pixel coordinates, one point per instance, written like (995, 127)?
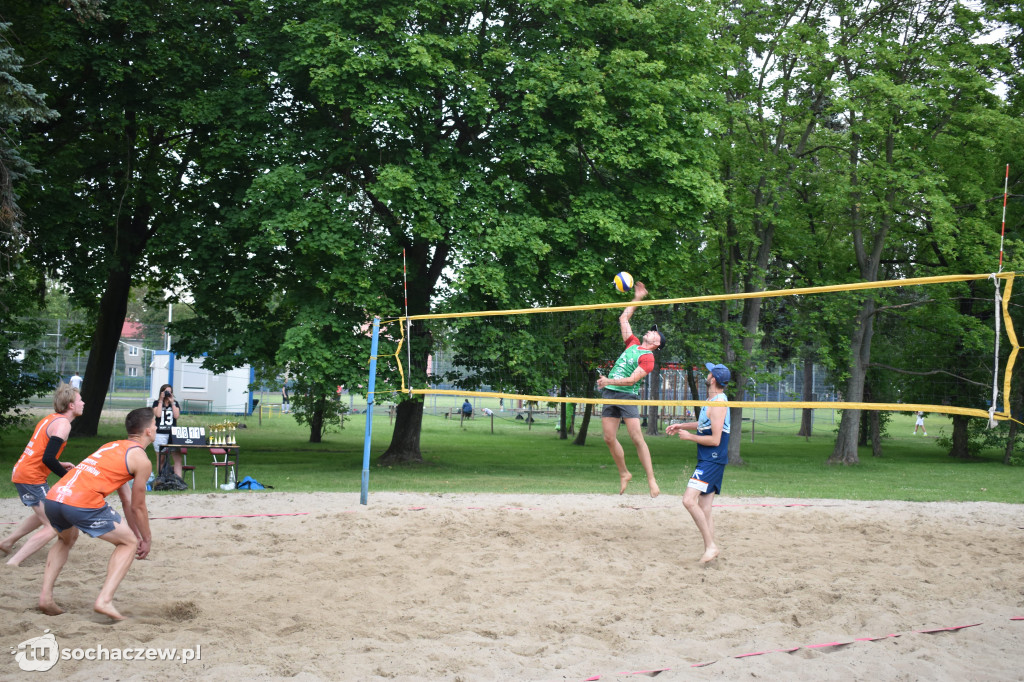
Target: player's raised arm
(639, 292)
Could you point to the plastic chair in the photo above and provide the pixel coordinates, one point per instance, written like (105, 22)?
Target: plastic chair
(225, 463)
(186, 467)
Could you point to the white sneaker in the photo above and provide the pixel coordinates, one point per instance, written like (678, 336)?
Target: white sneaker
(926, 433)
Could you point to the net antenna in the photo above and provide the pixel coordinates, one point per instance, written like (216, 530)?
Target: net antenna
(1002, 233)
(992, 423)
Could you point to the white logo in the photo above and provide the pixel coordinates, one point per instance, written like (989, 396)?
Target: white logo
(38, 654)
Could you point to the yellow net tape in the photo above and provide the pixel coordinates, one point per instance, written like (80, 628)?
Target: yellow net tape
(1008, 372)
(857, 286)
(772, 293)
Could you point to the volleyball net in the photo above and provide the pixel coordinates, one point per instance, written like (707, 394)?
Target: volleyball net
(937, 344)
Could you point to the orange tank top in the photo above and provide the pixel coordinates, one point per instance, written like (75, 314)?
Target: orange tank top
(95, 477)
(30, 468)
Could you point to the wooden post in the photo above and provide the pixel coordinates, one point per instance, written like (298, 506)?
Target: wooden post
(492, 423)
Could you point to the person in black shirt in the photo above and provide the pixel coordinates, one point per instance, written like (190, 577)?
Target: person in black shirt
(166, 410)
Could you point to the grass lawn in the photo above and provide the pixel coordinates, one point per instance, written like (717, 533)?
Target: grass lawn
(518, 459)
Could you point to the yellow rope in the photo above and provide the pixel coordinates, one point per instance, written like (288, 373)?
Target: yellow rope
(855, 286)
(877, 407)
(1008, 372)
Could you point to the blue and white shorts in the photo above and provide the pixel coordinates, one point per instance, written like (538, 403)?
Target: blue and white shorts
(92, 522)
(707, 478)
(31, 494)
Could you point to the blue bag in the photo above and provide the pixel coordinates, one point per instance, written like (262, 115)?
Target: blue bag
(249, 483)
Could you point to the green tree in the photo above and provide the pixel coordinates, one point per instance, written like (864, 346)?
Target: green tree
(22, 285)
(913, 80)
(144, 157)
(476, 136)
(298, 295)
(778, 90)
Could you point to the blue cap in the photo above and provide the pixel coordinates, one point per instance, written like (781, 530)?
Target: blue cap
(720, 372)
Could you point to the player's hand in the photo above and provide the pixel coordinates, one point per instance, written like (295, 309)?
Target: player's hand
(686, 435)
(602, 382)
(639, 291)
(68, 466)
(143, 549)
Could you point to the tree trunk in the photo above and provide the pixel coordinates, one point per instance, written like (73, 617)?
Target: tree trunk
(751, 316)
(106, 337)
(1011, 440)
(1016, 399)
(960, 449)
(316, 421)
(405, 439)
(654, 394)
(735, 392)
(845, 451)
(807, 395)
(691, 381)
(563, 426)
(581, 437)
(876, 434)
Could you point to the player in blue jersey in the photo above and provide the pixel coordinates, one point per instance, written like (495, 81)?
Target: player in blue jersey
(712, 438)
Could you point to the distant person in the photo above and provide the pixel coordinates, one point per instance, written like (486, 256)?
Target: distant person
(488, 411)
(285, 406)
(76, 382)
(35, 464)
(712, 438)
(467, 409)
(919, 424)
(501, 404)
(77, 502)
(166, 410)
(622, 386)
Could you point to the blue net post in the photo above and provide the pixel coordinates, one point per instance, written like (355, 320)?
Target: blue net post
(364, 490)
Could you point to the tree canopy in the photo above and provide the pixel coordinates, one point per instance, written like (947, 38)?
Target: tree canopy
(276, 167)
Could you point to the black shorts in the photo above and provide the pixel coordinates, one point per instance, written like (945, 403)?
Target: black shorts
(621, 407)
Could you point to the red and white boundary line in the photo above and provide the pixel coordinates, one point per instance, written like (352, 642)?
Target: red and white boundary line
(789, 650)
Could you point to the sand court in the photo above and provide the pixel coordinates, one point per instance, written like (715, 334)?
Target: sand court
(545, 587)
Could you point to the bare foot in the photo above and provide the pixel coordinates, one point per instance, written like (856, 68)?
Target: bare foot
(655, 490)
(6, 550)
(709, 555)
(107, 610)
(50, 608)
(624, 480)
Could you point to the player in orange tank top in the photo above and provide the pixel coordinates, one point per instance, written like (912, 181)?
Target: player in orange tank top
(101, 473)
(32, 468)
(77, 503)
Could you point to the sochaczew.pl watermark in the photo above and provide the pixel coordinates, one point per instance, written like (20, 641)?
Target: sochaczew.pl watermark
(39, 654)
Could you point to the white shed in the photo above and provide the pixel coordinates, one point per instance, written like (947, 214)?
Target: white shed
(200, 390)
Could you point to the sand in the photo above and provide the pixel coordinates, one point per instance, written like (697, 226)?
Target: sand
(533, 587)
